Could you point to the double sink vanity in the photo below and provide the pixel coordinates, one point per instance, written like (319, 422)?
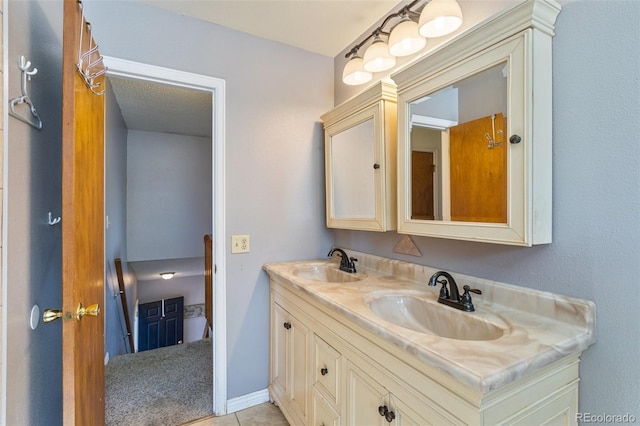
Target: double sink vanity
(453, 146)
(375, 346)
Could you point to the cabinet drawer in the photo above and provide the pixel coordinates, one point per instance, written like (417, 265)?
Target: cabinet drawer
(322, 413)
(326, 370)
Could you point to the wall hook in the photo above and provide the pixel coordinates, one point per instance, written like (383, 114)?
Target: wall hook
(36, 122)
(53, 221)
(491, 139)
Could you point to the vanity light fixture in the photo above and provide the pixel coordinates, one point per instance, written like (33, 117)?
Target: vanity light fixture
(439, 18)
(417, 21)
(377, 57)
(167, 275)
(354, 72)
(405, 39)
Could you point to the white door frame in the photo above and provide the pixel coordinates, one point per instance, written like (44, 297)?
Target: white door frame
(137, 70)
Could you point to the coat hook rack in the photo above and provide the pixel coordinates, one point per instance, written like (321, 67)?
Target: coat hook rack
(53, 221)
(90, 65)
(491, 139)
(35, 120)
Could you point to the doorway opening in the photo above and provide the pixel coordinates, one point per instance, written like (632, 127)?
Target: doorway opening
(118, 68)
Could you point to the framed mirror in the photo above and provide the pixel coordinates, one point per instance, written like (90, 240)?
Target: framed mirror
(458, 155)
(474, 151)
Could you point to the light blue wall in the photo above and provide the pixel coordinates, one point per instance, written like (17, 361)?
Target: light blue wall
(33, 188)
(168, 195)
(595, 252)
(275, 95)
(115, 233)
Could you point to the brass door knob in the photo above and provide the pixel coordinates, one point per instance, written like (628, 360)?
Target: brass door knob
(51, 315)
(91, 310)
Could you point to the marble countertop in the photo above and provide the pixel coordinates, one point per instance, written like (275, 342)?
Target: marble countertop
(538, 328)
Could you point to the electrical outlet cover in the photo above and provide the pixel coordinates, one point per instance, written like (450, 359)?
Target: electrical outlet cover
(240, 244)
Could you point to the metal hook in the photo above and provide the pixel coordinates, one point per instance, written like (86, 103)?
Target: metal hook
(23, 66)
(53, 221)
(491, 139)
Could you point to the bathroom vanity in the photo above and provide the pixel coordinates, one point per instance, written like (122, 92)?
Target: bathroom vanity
(375, 348)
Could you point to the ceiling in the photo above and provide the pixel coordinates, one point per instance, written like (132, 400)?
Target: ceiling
(151, 269)
(321, 26)
(155, 107)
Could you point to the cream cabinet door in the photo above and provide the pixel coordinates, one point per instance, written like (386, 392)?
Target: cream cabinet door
(411, 411)
(360, 161)
(364, 396)
(322, 413)
(290, 358)
(279, 351)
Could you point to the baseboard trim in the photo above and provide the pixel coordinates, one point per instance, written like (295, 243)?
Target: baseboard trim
(246, 401)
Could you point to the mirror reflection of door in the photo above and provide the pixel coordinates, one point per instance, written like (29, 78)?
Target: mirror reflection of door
(464, 124)
(479, 170)
(422, 190)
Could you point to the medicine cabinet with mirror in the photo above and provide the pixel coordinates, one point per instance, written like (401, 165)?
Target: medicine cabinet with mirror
(474, 150)
(360, 160)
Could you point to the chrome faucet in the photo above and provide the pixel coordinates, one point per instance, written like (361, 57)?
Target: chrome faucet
(347, 264)
(451, 296)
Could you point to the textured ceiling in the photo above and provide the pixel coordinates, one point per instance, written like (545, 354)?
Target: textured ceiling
(163, 108)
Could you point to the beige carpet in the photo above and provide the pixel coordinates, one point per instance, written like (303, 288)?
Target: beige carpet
(162, 387)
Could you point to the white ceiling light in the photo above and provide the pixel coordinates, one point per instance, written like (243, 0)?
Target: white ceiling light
(354, 72)
(167, 275)
(377, 57)
(439, 18)
(405, 39)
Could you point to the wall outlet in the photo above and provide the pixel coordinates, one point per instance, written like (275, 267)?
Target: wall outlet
(240, 244)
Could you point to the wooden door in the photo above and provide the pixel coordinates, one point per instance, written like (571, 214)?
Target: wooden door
(478, 172)
(82, 233)
(422, 171)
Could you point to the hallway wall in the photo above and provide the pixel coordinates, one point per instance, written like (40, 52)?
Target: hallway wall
(32, 188)
(116, 231)
(2, 232)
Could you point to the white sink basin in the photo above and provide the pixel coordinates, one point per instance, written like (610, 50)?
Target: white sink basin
(326, 273)
(430, 317)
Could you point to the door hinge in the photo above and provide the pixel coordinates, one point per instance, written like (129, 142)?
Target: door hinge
(215, 268)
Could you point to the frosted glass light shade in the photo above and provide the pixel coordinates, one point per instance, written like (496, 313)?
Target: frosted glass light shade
(439, 18)
(405, 39)
(377, 57)
(354, 72)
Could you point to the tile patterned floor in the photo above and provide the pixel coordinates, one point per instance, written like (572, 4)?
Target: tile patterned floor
(266, 414)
